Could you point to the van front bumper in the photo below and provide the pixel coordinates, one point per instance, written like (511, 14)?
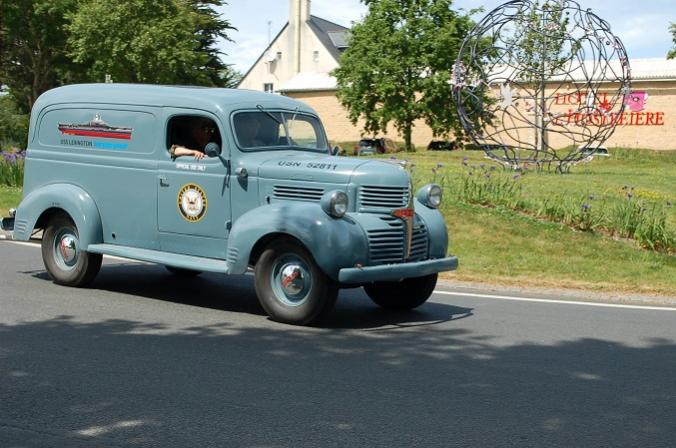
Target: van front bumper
(393, 272)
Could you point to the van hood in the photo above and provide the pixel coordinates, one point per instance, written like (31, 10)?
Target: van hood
(309, 167)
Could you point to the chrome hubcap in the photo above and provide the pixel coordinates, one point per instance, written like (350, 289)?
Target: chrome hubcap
(66, 249)
(291, 280)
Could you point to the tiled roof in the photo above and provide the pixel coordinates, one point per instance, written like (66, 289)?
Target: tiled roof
(333, 36)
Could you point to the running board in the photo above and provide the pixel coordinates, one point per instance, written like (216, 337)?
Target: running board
(159, 257)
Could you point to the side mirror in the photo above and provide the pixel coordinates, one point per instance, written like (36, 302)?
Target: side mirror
(336, 150)
(212, 149)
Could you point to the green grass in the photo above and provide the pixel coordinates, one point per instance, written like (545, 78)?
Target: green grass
(9, 198)
(502, 246)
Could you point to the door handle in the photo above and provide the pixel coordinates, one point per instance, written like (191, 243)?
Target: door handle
(163, 181)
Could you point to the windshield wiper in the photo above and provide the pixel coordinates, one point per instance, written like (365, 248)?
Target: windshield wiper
(262, 109)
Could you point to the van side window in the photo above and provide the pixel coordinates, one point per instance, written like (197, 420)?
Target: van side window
(187, 135)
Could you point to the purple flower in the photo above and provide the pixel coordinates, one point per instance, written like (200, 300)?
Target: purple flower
(586, 207)
(9, 157)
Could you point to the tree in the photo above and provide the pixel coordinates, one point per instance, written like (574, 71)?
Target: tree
(149, 41)
(672, 52)
(398, 66)
(32, 41)
(13, 124)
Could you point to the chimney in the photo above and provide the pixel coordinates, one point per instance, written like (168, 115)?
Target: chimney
(299, 13)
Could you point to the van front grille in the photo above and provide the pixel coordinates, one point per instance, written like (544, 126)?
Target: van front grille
(387, 245)
(297, 193)
(372, 196)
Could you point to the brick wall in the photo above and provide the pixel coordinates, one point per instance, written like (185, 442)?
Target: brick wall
(654, 128)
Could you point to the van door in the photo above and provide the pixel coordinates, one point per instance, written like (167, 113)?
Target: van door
(193, 210)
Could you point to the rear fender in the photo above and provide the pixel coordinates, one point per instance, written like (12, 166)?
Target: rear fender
(68, 198)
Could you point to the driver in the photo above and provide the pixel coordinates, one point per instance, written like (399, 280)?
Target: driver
(201, 131)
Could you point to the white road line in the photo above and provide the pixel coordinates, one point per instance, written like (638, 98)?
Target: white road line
(461, 294)
(562, 302)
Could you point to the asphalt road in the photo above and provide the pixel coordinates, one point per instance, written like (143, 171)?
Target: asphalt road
(146, 359)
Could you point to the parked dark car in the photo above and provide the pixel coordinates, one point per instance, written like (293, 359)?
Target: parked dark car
(368, 146)
(442, 145)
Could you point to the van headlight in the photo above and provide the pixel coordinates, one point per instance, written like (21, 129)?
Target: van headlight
(430, 195)
(334, 203)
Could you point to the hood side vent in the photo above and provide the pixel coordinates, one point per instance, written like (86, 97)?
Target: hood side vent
(371, 196)
(294, 193)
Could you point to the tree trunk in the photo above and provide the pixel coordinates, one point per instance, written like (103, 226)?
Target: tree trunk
(407, 136)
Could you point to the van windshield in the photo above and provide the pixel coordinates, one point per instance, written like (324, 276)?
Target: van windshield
(265, 129)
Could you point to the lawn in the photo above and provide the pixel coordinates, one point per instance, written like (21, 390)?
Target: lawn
(9, 198)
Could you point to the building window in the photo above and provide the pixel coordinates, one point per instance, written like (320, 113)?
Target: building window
(268, 87)
(279, 55)
(315, 56)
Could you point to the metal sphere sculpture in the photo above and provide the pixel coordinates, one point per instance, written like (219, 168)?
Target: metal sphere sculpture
(541, 82)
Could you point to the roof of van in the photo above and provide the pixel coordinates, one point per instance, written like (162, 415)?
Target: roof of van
(206, 98)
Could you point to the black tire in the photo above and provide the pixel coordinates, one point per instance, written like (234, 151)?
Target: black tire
(66, 264)
(404, 295)
(285, 260)
(182, 272)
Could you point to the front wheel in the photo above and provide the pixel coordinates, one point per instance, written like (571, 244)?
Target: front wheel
(404, 295)
(291, 287)
(66, 262)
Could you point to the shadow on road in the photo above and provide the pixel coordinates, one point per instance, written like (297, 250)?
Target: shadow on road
(236, 293)
(128, 383)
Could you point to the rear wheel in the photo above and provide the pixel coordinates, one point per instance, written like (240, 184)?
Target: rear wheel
(404, 295)
(66, 263)
(291, 287)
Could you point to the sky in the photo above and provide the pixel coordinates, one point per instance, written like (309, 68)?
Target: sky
(642, 25)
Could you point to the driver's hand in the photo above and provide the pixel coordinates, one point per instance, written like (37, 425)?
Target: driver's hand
(199, 155)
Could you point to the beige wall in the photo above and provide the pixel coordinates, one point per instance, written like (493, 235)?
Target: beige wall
(654, 128)
(338, 126)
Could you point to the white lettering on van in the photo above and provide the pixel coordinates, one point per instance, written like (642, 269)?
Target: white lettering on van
(190, 167)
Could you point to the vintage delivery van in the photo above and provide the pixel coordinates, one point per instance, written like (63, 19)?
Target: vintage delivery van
(105, 174)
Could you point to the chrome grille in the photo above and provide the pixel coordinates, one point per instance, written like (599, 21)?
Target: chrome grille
(387, 245)
(419, 247)
(297, 193)
(371, 196)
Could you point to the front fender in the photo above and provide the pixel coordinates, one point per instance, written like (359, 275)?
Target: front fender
(334, 243)
(69, 198)
(436, 229)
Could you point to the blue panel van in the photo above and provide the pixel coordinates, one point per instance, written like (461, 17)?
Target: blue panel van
(227, 181)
